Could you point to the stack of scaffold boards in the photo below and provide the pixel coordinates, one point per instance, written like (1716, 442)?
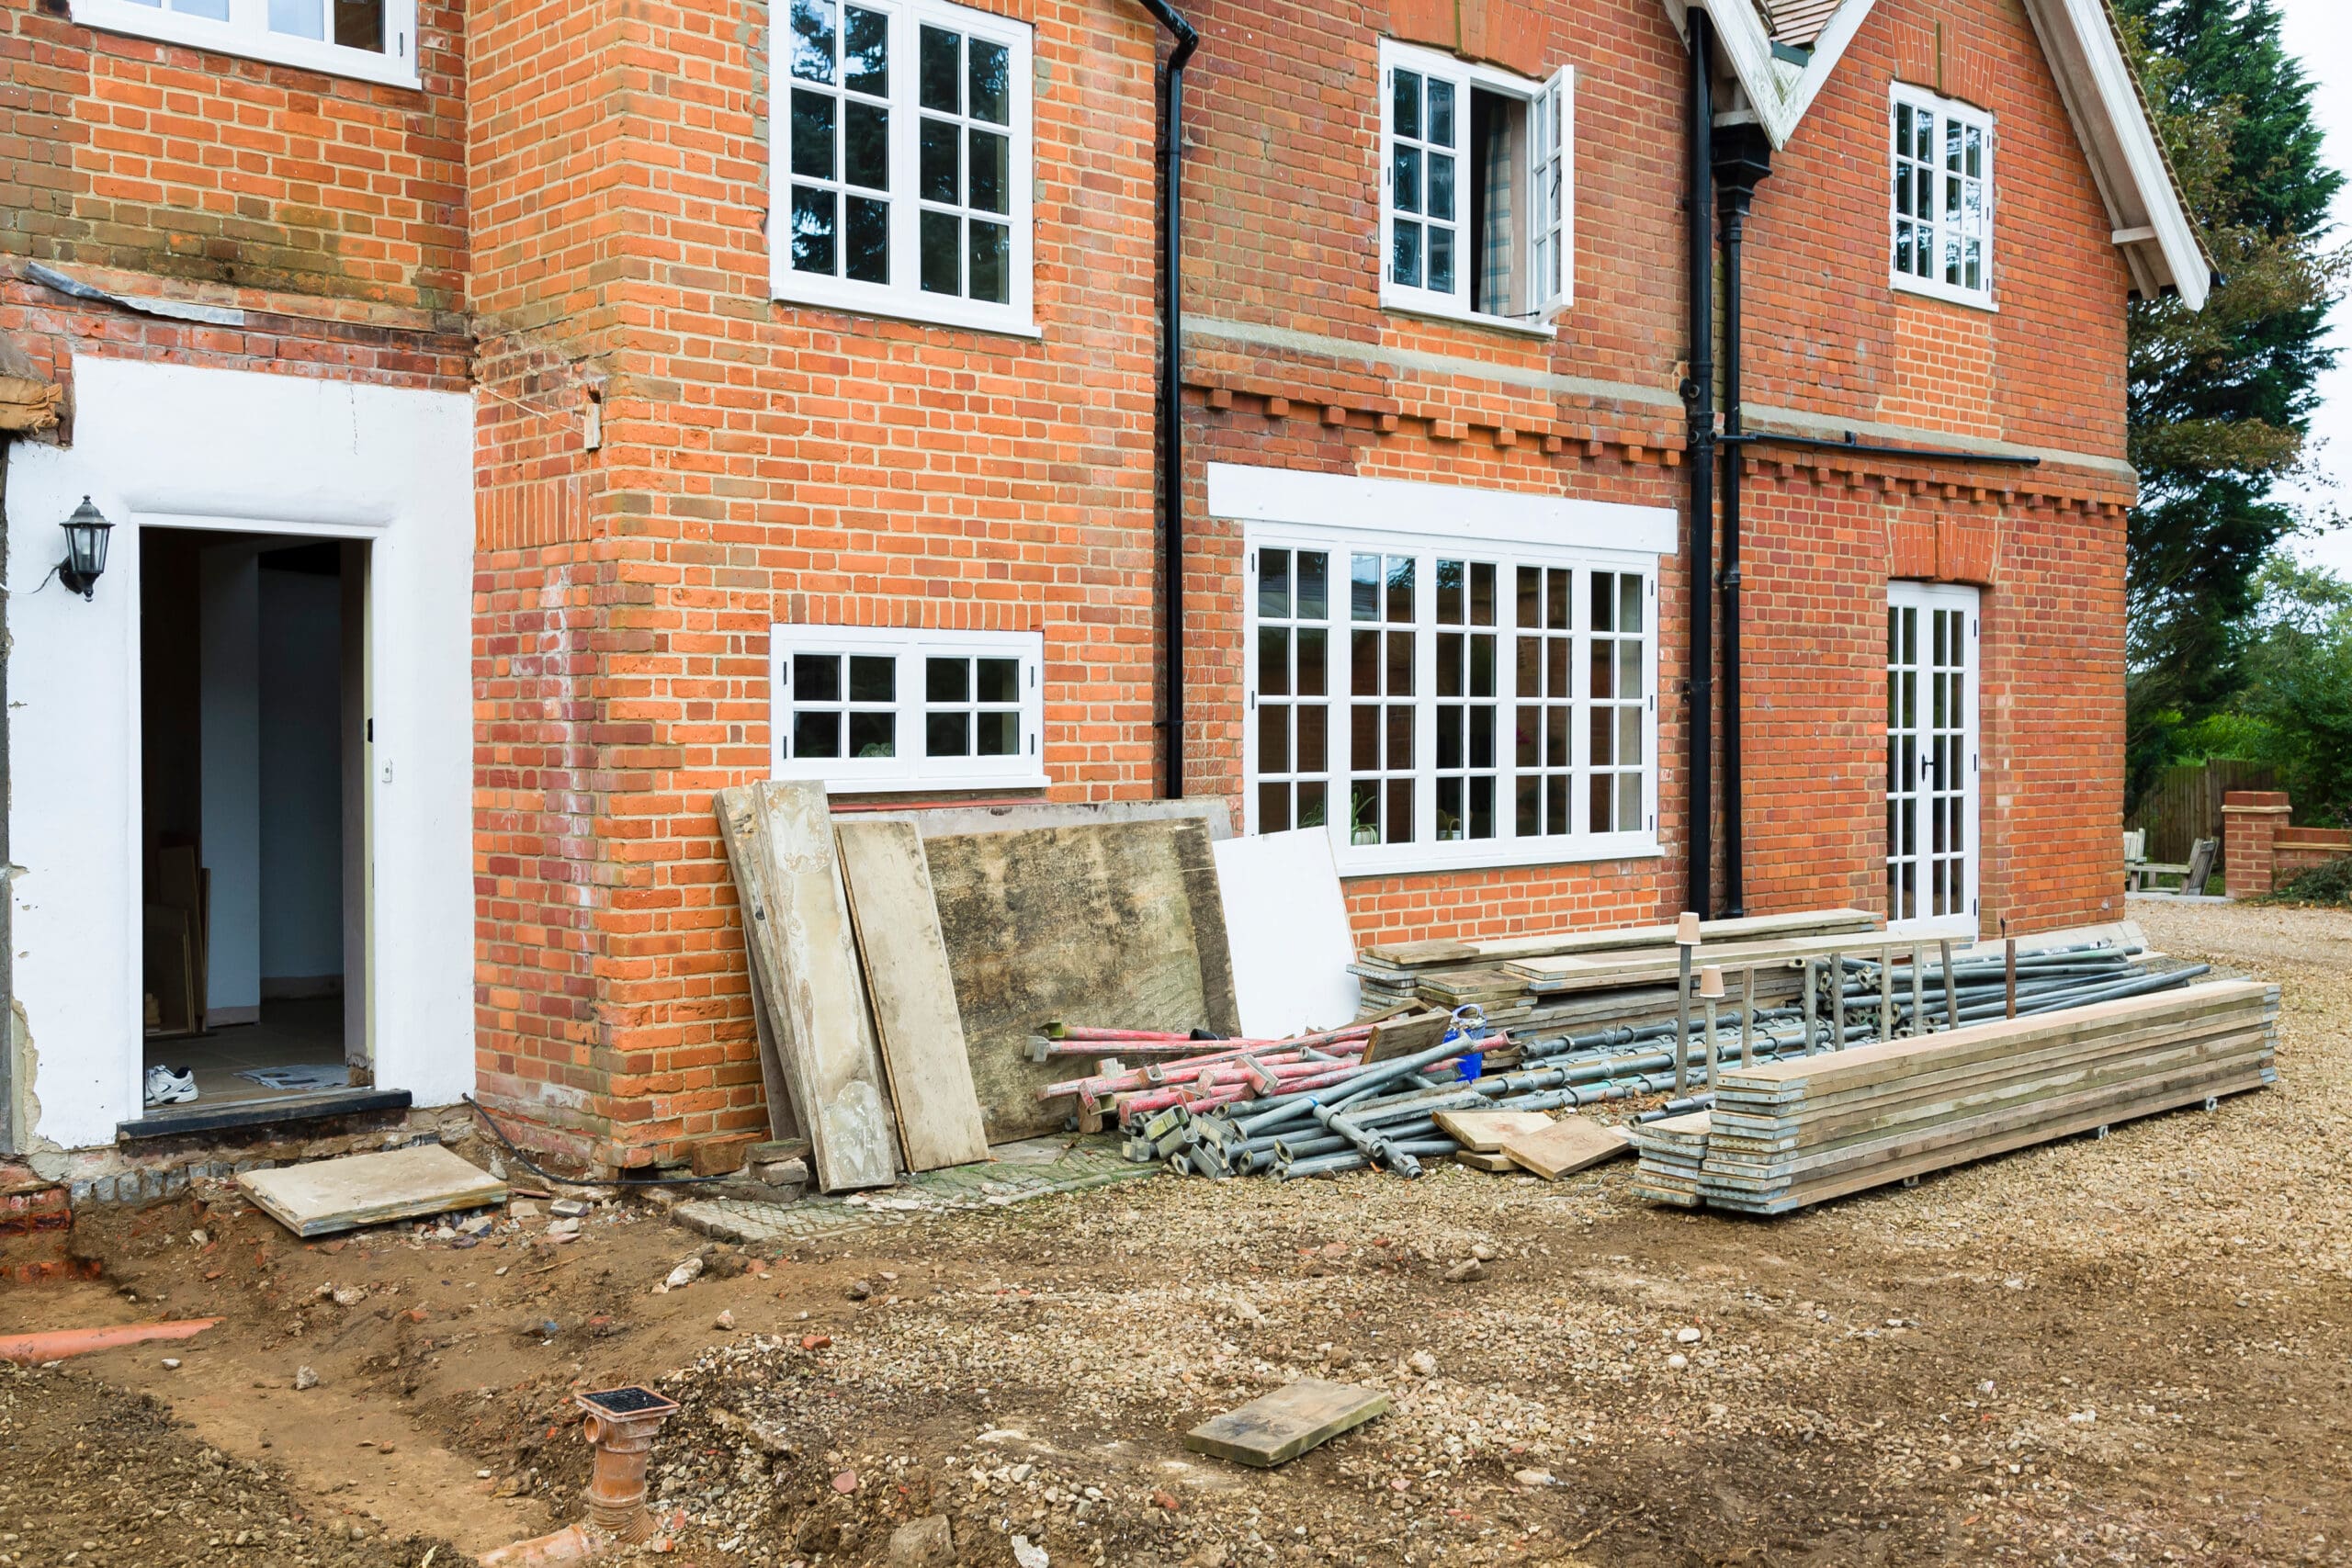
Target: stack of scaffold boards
(1514, 985)
(1789, 1133)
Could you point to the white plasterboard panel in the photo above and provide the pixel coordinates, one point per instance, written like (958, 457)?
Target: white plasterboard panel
(1288, 926)
(1249, 494)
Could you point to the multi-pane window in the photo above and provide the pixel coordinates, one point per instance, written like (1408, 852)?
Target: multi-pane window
(369, 38)
(1618, 689)
(1383, 620)
(1476, 169)
(1942, 207)
(873, 708)
(1293, 664)
(1930, 755)
(902, 155)
(1497, 698)
(1467, 701)
(1547, 694)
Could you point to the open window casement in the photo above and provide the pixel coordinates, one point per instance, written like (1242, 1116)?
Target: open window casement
(1478, 191)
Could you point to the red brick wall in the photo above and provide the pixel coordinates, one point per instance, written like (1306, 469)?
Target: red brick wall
(1283, 231)
(760, 462)
(123, 155)
(1826, 331)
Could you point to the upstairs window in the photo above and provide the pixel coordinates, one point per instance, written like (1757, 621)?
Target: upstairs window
(1476, 175)
(872, 708)
(374, 40)
(901, 161)
(1942, 208)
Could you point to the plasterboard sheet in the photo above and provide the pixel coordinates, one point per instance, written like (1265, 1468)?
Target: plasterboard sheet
(1288, 925)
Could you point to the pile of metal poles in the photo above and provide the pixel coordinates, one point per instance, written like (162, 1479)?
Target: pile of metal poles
(1311, 1107)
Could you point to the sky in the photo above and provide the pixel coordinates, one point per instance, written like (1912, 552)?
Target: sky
(2319, 32)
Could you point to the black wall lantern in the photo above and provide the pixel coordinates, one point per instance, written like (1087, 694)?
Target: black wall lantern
(85, 549)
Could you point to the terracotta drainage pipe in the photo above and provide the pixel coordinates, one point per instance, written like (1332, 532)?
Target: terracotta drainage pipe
(620, 1426)
(31, 1349)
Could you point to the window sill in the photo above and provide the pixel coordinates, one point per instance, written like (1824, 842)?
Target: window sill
(1903, 283)
(789, 288)
(850, 785)
(1404, 306)
(1414, 860)
(135, 20)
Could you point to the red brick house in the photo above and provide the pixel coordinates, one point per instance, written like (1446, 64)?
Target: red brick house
(518, 421)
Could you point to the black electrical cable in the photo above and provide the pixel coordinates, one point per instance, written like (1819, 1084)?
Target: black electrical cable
(524, 1161)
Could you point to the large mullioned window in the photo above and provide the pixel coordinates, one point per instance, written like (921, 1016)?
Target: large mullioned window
(1437, 701)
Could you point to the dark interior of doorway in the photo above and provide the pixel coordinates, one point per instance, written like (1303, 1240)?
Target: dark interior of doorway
(250, 699)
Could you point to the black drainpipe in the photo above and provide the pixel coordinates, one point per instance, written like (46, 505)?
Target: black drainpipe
(1742, 157)
(1699, 402)
(1171, 405)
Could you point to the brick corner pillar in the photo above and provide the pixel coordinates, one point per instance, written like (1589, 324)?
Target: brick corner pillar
(2250, 820)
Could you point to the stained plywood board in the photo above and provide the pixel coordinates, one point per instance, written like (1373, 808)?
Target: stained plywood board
(1286, 1423)
(1487, 1131)
(332, 1195)
(1569, 1144)
(1117, 924)
(1287, 925)
(913, 995)
(779, 840)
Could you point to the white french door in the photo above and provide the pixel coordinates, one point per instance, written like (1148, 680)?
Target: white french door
(1931, 833)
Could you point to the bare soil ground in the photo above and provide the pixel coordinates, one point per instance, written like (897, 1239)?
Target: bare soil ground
(2128, 1351)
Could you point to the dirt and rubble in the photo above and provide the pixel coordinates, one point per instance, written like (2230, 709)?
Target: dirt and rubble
(2129, 1349)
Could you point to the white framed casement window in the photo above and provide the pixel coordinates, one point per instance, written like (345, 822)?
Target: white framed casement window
(1437, 700)
(1941, 211)
(372, 40)
(1478, 173)
(884, 707)
(900, 169)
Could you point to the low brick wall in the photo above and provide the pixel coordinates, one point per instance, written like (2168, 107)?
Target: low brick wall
(2264, 849)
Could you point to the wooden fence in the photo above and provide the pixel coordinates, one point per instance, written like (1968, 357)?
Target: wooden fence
(2184, 805)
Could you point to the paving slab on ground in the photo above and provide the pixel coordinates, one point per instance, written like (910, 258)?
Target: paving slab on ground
(1033, 1167)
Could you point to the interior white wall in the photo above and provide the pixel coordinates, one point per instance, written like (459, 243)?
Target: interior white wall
(229, 679)
(163, 446)
(301, 774)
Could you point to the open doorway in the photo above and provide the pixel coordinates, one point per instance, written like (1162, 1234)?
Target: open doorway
(253, 719)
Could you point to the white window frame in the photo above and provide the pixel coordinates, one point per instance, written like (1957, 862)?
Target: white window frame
(904, 297)
(1945, 225)
(246, 33)
(910, 768)
(1925, 600)
(1556, 92)
(1426, 540)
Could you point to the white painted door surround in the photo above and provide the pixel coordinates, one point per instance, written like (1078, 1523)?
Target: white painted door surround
(175, 446)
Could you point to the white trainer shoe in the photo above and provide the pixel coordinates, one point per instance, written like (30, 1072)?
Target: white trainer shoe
(170, 1085)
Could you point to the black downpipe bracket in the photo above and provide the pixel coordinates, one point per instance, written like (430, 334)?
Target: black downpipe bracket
(1698, 404)
(1742, 157)
(1171, 405)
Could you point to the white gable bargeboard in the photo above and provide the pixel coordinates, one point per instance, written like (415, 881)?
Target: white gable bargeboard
(2110, 122)
(160, 446)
